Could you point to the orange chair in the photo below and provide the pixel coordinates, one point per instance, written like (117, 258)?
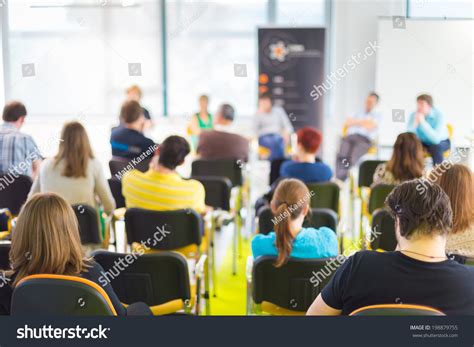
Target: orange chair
(396, 310)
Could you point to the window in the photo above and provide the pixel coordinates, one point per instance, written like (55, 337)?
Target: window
(441, 9)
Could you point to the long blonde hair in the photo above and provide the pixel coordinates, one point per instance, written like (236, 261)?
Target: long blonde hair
(290, 199)
(75, 150)
(46, 239)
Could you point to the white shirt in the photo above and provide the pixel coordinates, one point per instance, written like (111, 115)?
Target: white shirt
(370, 134)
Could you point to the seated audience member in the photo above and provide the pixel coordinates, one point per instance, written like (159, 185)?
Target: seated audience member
(272, 126)
(304, 166)
(19, 153)
(134, 92)
(74, 173)
(46, 241)
(407, 161)
(361, 133)
(223, 142)
(458, 183)
(201, 120)
(418, 272)
(429, 125)
(161, 187)
(290, 205)
(127, 140)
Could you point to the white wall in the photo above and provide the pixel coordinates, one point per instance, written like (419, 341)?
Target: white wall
(353, 26)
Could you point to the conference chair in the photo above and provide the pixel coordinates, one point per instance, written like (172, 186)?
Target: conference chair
(115, 186)
(376, 200)
(89, 228)
(5, 255)
(275, 166)
(60, 295)
(325, 195)
(119, 166)
(13, 194)
(317, 218)
(231, 169)
(161, 280)
(383, 228)
(397, 310)
(218, 194)
(287, 290)
(6, 219)
(366, 172)
(177, 230)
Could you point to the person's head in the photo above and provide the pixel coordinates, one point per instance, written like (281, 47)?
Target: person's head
(14, 112)
(74, 150)
(134, 93)
(172, 152)
(225, 114)
(46, 239)
(371, 101)
(203, 102)
(407, 160)
(131, 114)
(420, 215)
(424, 103)
(309, 140)
(458, 182)
(265, 102)
(290, 205)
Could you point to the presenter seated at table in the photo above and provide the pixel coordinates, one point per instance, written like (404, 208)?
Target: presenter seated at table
(429, 125)
(272, 127)
(134, 92)
(200, 121)
(223, 142)
(127, 140)
(304, 165)
(360, 135)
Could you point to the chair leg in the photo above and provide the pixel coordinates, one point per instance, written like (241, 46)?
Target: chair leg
(212, 250)
(207, 288)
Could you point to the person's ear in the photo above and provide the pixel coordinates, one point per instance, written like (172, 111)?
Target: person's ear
(306, 210)
(397, 228)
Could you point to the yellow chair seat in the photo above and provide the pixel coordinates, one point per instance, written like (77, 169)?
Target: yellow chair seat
(120, 213)
(276, 310)
(4, 234)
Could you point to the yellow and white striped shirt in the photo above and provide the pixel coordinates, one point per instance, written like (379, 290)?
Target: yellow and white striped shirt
(153, 190)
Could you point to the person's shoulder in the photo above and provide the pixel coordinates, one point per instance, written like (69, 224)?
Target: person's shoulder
(318, 233)
(193, 183)
(261, 240)
(131, 174)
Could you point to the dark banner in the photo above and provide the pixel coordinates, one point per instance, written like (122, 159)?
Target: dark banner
(180, 330)
(291, 63)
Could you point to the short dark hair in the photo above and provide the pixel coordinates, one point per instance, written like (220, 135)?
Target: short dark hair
(13, 111)
(425, 97)
(265, 95)
(227, 112)
(173, 150)
(375, 95)
(421, 207)
(130, 111)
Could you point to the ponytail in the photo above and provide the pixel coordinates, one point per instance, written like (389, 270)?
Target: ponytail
(284, 238)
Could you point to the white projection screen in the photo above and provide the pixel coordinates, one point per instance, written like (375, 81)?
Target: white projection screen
(433, 56)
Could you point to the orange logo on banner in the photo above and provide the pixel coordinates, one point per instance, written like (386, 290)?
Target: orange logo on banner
(263, 78)
(262, 89)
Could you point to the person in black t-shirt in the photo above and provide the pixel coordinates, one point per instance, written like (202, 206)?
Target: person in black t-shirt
(127, 140)
(417, 273)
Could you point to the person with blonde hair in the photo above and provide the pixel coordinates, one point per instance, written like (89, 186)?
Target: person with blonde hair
(290, 206)
(458, 183)
(46, 241)
(74, 172)
(134, 92)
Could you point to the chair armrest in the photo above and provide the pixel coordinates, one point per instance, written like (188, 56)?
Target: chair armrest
(199, 267)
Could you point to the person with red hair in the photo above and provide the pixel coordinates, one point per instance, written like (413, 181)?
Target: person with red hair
(304, 165)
